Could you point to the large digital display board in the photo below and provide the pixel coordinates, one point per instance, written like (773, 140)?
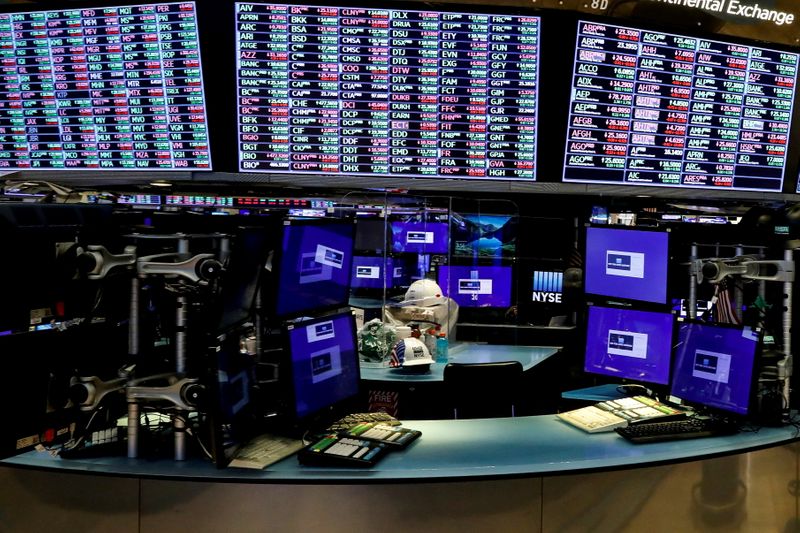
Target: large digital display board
(356, 91)
(654, 108)
(105, 88)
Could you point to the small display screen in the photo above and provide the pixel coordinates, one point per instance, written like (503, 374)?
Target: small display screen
(315, 267)
(630, 264)
(420, 237)
(629, 344)
(654, 108)
(477, 286)
(714, 366)
(373, 272)
(106, 88)
(479, 235)
(370, 91)
(324, 359)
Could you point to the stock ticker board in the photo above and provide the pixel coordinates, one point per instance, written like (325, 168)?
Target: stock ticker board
(111, 88)
(660, 109)
(365, 92)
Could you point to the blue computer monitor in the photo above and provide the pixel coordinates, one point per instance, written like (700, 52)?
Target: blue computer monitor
(370, 272)
(420, 237)
(627, 264)
(477, 286)
(323, 364)
(629, 344)
(314, 266)
(714, 365)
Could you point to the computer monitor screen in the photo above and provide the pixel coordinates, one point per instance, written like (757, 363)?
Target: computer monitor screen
(239, 284)
(419, 237)
(630, 264)
(629, 344)
(654, 108)
(370, 234)
(477, 286)
(714, 365)
(324, 363)
(370, 272)
(387, 92)
(232, 410)
(315, 266)
(106, 88)
(480, 235)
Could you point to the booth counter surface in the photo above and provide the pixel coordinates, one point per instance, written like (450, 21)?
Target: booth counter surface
(449, 450)
(528, 356)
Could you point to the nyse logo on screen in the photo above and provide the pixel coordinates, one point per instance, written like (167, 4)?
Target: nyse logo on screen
(547, 287)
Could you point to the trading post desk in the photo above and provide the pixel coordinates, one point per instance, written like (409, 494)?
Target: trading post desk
(512, 474)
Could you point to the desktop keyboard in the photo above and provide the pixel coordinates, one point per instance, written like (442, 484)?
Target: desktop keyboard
(592, 419)
(688, 428)
(354, 419)
(264, 450)
(391, 436)
(340, 450)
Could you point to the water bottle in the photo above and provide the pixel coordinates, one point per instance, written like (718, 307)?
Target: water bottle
(430, 341)
(441, 348)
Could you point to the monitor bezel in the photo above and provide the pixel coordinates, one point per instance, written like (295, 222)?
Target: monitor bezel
(287, 385)
(670, 360)
(791, 176)
(471, 309)
(272, 280)
(753, 389)
(174, 173)
(599, 298)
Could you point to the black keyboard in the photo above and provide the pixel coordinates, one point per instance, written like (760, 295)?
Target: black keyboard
(689, 428)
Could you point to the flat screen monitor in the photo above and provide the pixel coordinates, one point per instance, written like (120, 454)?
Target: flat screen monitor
(370, 234)
(232, 409)
(240, 281)
(714, 365)
(105, 88)
(372, 91)
(477, 286)
(370, 272)
(625, 263)
(324, 367)
(314, 266)
(654, 108)
(481, 235)
(629, 344)
(420, 237)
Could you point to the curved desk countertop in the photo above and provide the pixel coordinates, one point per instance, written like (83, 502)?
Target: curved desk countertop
(528, 356)
(449, 450)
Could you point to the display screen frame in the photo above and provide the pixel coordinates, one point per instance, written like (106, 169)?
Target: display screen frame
(627, 341)
(446, 8)
(296, 415)
(202, 64)
(682, 383)
(629, 285)
(790, 167)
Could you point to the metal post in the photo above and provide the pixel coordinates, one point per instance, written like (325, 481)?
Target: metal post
(179, 428)
(738, 292)
(692, 304)
(785, 368)
(133, 430)
(133, 318)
